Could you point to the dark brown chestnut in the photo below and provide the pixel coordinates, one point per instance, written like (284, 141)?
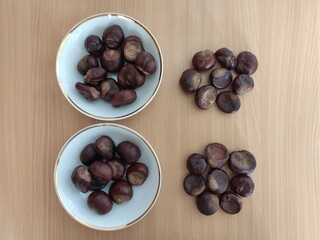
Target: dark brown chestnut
(120, 166)
(88, 154)
(100, 172)
(205, 97)
(123, 97)
(207, 203)
(220, 78)
(137, 173)
(194, 185)
(100, 202)
(204, 60)
(111, 60)
(190, 80)
(131, 47)
(230, 202)
(217, 180)
(242, 162)
(228, 102)
(242, 184)
(120, 191)
(105, 146)
(94, 45)
(247, 63)
(96, 185)
(242, 84)
(88, 92)
(197, 164)
(130, 77)
(128, 152)
(113, 36)
(86, 63)
(94, 76)
(146, 63)
(226, 58)
(217, 155)
(108, 88)
(81, 178)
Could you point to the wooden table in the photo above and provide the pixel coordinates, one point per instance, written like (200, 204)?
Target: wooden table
(278, 121)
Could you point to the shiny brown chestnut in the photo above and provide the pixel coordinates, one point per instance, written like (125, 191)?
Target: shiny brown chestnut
(88, 92)
(207, 203)
(108, 88)
(105, 146)
(123, 97)
(94, 76)
(89, 154)
(120, 166)
(86, 63)
(81, 178)
(242, 84)
(100, 202)
(100, 172)
(242, 162)
(230, 202)
(131, 47)
(146, 63)
(137, 173)
(190, 80)
(120, 191)
(242, 184)
(111, 60)
(130, 77)
(226, 58)
(217, 155)
(228, 102)
(96, 185)
(220, 78)
(113, 36)
(94, 45)
(128, 152)
(197, 164)
(204, 60)
(217, 180)
(247, 63)
(205, 97)
(194, 185)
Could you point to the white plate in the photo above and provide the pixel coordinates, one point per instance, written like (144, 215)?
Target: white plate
(75, 202)
(72, 50)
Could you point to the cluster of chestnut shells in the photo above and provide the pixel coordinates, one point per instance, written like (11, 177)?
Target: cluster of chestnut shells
(220, 78)
(104, 163)
(210, 184)
(114, 54)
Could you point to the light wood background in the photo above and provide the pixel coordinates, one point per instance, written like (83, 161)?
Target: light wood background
(278, 121)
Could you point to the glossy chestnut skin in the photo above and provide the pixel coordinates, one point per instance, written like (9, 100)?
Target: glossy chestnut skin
(247, 63)
(96, 185)
(131, 47)
(130, 77)
(128, 152)
(220, 78)
(242, 184)
(120, 191)
(194, 185)
(137, 173)
(205, 97)
(100, 202)
(217, 155)
(108, 88)
(197, 164)
(81, 179)
(94, 76)
(113, 36)
(242, 162)
(123, 97)
(242, 84)
(146, 63)
(217, 180)
(190, 80)
(207, 203)
(120, 166)
(94, 45)
(86, 63)
(111, 60)
(226, 58)
(204, 60)
(88, 92)
(230, 202)
(228, 102)
(100, 172)
(105, 146)
(88, 154)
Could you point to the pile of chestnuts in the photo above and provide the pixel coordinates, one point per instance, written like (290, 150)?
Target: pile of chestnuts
(210, 184)
(220, 78)
(104, 163)
(116, 54)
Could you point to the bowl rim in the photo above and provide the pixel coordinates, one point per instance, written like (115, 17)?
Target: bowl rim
(80, 220)
(64, 92)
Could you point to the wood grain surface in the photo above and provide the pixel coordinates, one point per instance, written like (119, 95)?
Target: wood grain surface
(278, 121)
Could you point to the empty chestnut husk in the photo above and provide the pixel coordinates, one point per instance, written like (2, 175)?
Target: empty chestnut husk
(128, 152)
(194, 185)
(137, 173)
(207, 203)
(81, 178)
(120, 191)
(217, 155)
(100, 202)
(105, 146)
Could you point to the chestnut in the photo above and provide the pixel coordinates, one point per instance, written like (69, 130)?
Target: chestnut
(242, 162)
(242, 184)
(105, 146)
(86, 63)
(100, 172)
(131, 47)
(100, 202)
(220, 78)
(111, 60)
(190, 80)
(128, 152)
(207, 203)
(94, 45)
(230, 202)
(120, 166)
(242, 84)
(123, 97)
(228, 102)
(204, 60)
(217, 155)
(145, 63)
(88, 92)
(137, 173)
(88, 154)
(81, 178)
(205, 97)
(226, 58)
(130, 77)
(194, 185)
(120, 191)
(113, 36)
(96, 185)
(94, 76)
(247, 63)
(217, 180)
(197, 164)
(108, 88)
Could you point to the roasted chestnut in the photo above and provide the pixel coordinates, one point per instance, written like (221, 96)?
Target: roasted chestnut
(137, 173)
(120, 191)
(81, 178)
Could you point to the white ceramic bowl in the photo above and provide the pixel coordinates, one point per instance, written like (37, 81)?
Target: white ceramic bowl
(72, 50)
(75, 202)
